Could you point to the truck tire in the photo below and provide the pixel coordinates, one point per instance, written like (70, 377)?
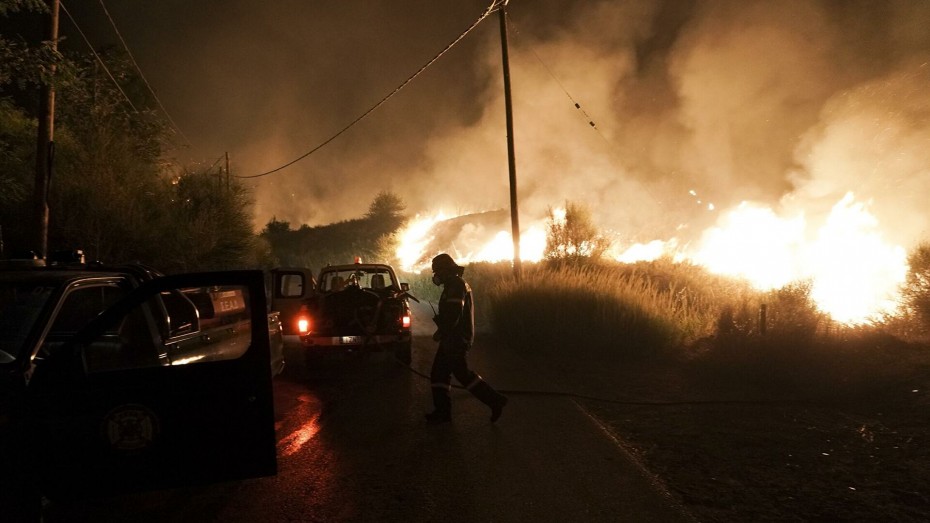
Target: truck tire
(311, 360)
(403, 352)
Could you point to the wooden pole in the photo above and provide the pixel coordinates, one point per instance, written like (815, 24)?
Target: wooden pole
(45, 143)
(511, 155)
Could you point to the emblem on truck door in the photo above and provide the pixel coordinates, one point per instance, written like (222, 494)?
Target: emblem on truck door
(130, 427)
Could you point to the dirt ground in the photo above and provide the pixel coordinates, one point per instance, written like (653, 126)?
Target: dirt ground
(846, 438)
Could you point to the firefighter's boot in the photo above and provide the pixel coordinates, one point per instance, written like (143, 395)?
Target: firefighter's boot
(489, 397)
(442, 403)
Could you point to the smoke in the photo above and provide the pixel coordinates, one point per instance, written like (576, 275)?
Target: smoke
(873, 141)
(790, 104)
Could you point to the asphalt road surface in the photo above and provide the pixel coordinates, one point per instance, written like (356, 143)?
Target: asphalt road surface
(353, 446)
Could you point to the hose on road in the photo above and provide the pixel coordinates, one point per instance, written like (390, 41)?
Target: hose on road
(635, 402)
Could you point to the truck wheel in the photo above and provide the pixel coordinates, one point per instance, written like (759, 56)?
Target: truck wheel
(311, 360)
(403, 353)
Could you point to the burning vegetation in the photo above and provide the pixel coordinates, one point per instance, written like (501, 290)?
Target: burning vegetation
(849, 270)
(777, 150)
(755, 280)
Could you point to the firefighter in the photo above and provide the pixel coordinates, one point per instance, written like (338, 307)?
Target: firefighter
(455, 334)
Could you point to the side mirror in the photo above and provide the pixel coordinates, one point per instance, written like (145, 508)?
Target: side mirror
(405, 286)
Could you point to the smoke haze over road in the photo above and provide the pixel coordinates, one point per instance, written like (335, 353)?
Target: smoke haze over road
(791, 104)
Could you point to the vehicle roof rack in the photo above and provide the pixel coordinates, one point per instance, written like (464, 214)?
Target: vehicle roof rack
(22, 259)
(67, 257)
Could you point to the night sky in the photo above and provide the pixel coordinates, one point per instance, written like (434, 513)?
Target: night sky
(790, 103)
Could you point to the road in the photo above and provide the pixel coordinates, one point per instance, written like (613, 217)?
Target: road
(353, 446)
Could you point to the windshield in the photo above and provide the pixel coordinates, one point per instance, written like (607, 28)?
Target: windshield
(21, 304)
(366, 278)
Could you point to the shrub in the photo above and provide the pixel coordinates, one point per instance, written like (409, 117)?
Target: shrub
(916, 292)
(633, 310)
(592, 310)
(573, 235)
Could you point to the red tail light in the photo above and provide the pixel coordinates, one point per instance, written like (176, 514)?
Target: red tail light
(303, 324)
(405, 321)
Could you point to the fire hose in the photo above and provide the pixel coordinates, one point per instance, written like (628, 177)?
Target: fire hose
(632, 402)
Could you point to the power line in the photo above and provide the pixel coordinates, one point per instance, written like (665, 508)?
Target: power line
(491, 8)
(97, 56)
(141, 75)
(577, 105)
(587, 117)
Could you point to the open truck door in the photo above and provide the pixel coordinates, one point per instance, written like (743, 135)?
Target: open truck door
(290, 286)
(109, 412)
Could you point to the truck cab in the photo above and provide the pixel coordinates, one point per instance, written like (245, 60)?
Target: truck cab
(117, 379)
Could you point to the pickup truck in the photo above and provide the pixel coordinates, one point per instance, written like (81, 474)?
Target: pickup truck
(356, 308)
(186, 325)
(115, 379)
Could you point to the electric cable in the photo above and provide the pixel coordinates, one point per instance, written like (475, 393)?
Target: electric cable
(214, 164)
(494, 5)
(587, 117)
(141, 75)
(577, 105)
(97, 56)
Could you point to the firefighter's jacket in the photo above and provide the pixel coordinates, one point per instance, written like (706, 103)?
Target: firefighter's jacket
(456, 317)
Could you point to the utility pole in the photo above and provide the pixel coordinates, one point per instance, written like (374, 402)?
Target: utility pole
(45, 142)
(227, 171)
(511, 156)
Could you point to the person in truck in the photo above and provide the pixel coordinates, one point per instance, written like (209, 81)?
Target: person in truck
(455, 334)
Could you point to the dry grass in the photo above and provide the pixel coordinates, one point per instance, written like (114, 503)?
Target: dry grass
(794, 418)
(621, 310)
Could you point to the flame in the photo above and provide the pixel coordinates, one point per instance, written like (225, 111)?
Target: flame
(646, 251)
(754, 243)
(855, 273)
(471, 247)
(414, 238)
(532, 247)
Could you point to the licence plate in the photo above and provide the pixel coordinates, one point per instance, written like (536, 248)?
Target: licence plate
(350, 340)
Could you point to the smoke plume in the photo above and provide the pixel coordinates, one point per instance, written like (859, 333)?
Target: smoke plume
(680, 104)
